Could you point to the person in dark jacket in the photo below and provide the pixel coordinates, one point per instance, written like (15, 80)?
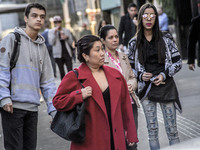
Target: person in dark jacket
(194, 36)
(127, 26)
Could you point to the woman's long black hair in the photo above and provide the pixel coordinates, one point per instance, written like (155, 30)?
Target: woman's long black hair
(157, 35)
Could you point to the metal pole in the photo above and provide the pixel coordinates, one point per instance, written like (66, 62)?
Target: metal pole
(66, 15)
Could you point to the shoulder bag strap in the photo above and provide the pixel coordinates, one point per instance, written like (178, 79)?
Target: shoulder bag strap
(76, 72)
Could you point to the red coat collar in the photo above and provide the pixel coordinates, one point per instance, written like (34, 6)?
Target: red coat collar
(113, 77)
(85, 72)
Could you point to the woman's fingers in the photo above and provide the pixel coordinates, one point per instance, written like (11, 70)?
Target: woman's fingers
(146, 76)
(89, 90)
(159, 80)
(130, 88)
(86, 92)
(131, 144)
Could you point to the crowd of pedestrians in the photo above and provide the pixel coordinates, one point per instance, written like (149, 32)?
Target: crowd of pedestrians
(120, 70)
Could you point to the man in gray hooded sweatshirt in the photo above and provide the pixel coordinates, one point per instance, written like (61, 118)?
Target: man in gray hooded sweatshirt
(33, 72)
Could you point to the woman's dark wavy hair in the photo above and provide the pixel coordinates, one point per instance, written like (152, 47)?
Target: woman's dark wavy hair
(85, 44)
(100, 26)
(104, 31)
(157, 35)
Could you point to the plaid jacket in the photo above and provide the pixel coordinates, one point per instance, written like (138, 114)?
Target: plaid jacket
(173, 62)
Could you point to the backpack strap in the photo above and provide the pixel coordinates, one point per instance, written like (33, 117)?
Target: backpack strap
(16, 50)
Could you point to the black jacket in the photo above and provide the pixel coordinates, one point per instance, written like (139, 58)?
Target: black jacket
(194, 36)
(127, 27)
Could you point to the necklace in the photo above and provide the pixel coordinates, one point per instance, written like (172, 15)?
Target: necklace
(117, 63)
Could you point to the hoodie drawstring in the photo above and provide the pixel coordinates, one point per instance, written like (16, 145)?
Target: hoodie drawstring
(40, 58)
(31, 59)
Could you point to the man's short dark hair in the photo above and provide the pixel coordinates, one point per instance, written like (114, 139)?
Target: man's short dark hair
(132, 5)
(33, 5)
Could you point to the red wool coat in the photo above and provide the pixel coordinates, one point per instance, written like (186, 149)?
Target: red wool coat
(97, 124)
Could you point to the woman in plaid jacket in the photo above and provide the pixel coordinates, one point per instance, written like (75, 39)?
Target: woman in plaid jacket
(155, 59)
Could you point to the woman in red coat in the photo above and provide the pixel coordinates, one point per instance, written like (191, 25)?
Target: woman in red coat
(106, 97)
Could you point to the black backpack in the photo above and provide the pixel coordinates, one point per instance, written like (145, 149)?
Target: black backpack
(16, 50)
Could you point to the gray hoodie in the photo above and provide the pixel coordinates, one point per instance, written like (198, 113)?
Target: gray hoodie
(33, 72)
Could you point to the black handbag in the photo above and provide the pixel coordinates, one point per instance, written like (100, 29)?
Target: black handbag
(70, 125)
(164, 92)
(142, 92)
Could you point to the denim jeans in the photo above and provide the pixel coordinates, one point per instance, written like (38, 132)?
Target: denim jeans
(169, 115)
(19, 129)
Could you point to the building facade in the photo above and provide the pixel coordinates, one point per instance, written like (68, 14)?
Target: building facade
(17, 18)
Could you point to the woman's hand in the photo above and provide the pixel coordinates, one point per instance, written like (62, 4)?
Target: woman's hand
(146, 76)
(131, 144)
(159, 80)
(130, 88)
(86, 92)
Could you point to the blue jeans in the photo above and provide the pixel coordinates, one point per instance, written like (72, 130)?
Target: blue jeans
(169, 115)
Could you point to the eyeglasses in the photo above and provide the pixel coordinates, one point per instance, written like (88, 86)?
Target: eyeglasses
(151, 16)
(57, 22)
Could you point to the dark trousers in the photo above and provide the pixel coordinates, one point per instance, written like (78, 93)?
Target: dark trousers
(61, 62)
(135, 114)
(19, 129)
